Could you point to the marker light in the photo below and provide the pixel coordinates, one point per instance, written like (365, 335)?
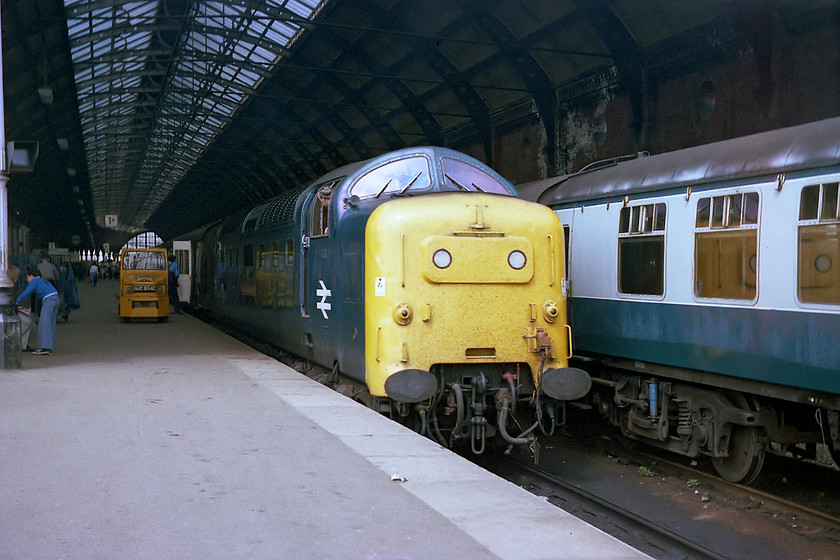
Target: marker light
(517, 260)
(442, 258)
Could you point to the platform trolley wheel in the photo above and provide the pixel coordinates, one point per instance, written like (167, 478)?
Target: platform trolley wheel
(164, 319)
(746, 450)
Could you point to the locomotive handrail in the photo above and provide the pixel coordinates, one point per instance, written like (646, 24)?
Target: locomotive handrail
(551, 259)
(569, 352)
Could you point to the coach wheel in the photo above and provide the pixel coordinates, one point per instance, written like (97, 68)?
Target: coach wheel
(829, 427)
(746, 452)
(834, 453)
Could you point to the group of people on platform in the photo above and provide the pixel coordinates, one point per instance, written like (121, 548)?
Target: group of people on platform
(50, 291)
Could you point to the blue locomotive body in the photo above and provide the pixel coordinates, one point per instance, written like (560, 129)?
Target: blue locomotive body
(705, 293)
(420, 275)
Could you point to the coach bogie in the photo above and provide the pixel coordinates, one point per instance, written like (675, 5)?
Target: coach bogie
(692, 421)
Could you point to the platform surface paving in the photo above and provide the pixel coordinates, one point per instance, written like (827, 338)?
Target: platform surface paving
(174, 441)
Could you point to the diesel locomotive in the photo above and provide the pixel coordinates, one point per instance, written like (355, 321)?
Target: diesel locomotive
(421, 275)
(705, 294)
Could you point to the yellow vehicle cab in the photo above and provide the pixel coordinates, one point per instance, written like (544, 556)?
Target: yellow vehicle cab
(143, 289)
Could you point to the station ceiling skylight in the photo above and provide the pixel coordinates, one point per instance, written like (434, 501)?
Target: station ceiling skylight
(158, 80)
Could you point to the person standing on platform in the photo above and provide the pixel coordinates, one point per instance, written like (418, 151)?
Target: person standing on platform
(48, 270)
(94, 274)
(49, 309)
(69, 292)
(173, 284)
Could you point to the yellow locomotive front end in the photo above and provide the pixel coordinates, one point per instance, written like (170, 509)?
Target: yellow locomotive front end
(463, 302)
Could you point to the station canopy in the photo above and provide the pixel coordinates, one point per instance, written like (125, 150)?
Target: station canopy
(165, 115)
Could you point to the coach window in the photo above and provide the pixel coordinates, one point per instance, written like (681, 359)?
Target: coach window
(275, 255)
(818, 269)
(400, 176)
(262, 257)
(641, 249)
(290, 252)
(725, 242)
(248, 256)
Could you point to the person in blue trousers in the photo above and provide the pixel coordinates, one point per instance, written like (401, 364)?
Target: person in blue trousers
(174, 300)
(49, 309)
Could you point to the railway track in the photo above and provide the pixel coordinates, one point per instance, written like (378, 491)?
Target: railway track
(621, 522)
(670, 510)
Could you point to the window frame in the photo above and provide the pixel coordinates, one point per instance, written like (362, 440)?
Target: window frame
(809, 223)
(639, 217)
(724, 228)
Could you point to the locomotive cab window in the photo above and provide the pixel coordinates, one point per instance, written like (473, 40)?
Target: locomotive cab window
(319, 220)
(459, 175)
(395, 177)
(818, 273)
(725, 246)
(641, 249)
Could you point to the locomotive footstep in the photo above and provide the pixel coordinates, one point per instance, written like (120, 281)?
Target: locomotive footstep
(398, 478)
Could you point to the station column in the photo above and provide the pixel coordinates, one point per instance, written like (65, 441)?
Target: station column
(9, 322)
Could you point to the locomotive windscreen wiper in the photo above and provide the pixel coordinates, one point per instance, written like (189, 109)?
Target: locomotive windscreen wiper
(479, 189)
(383, 188)
(457, 184)
(408, 186)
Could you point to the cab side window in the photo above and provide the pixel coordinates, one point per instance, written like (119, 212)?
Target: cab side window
(818, 274)
(725, 246)
(319, 220)
(641, 249)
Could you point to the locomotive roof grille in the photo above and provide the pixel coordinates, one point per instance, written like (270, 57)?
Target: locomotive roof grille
(280, 208)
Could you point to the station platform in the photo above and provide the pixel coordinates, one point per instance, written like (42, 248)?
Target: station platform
(172, 440)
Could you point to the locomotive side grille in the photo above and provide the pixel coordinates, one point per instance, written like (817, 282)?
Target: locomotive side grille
(480, 354)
